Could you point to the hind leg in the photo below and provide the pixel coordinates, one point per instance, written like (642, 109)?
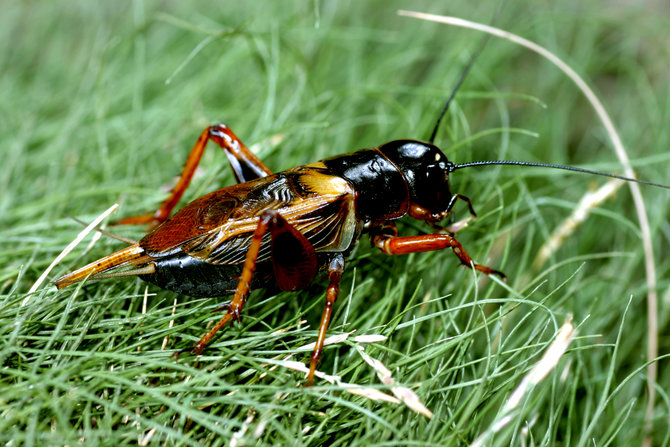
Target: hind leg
(293, 259)
(246, 166)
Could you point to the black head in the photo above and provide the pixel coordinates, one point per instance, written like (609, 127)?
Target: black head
(426, 169)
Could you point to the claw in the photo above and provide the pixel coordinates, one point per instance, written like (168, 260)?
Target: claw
(500, 274)
(195, 350)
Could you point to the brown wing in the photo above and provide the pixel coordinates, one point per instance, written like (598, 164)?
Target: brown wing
(217, 228)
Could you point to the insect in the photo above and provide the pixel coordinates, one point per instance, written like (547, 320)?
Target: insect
(284, 228)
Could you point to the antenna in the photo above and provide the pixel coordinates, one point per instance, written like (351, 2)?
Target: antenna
(460, 80)
(454, 167)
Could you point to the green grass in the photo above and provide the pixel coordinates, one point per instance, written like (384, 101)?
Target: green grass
(88, 120)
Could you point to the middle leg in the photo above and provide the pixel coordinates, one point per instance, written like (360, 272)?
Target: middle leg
(293, 259)
(335, 270)
(235, 305)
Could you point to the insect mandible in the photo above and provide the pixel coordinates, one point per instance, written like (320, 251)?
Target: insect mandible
(284, 228)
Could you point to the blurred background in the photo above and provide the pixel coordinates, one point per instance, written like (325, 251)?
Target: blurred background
(101, 101)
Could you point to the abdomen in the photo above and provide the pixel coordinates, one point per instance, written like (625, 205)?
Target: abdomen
(186, 275)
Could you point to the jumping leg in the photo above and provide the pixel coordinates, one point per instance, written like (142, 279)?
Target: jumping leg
(235, 305)
(293, 258)
(246, 166)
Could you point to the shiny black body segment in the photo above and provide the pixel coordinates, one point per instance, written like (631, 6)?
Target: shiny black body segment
(186, 275)
(381, 188)
(425, 169)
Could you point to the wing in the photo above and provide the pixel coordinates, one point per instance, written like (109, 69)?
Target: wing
(217, 228)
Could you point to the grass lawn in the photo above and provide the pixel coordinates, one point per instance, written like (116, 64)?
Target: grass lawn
(100, 103)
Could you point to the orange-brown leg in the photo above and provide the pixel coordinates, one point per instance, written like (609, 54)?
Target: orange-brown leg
(335, 269)
(294, 261)
(428, 242)
(235, 306)
(246, 166)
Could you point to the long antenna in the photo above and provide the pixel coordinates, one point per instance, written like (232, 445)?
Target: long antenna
(454, 167)
(461, 78)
